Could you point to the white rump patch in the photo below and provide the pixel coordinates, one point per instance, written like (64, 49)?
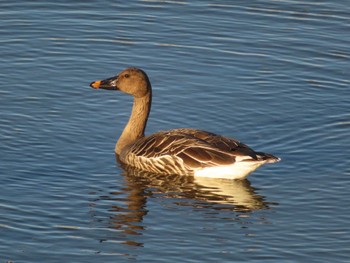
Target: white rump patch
(237, 170)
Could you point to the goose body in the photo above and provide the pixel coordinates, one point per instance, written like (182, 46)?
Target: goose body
(182, 151)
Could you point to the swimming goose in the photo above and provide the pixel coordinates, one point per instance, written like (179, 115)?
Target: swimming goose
(181, 151)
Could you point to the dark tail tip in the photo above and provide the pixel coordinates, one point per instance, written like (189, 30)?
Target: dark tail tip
(269, 158)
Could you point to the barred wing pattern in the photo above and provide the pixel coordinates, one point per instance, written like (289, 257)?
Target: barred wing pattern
(182, 151)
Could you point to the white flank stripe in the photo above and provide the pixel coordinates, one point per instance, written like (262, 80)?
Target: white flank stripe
(238, 170)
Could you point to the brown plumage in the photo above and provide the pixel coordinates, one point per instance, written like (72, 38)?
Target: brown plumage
(180, 151)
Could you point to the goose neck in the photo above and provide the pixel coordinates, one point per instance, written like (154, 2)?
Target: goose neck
(135, 128)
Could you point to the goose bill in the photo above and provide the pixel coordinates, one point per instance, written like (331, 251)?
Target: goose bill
(109, 84)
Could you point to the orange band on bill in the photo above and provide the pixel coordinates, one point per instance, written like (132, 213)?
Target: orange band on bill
(96, 84)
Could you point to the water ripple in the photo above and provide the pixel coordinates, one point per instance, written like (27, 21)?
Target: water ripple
(273, 74)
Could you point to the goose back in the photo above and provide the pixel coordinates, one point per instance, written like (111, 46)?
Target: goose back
(183, 151)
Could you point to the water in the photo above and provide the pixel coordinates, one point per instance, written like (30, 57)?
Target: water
(274, 74)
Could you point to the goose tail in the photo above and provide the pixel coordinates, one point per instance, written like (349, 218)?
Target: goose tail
(267, 157)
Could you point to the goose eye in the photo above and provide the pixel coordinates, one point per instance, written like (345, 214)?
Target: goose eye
(126, 76)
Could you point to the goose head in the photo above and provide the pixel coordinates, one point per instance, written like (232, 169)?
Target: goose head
(132, 81)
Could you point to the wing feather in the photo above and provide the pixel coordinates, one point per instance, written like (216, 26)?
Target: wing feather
(196, 148)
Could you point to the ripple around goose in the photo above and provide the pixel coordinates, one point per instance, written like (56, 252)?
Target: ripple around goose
(182, 151)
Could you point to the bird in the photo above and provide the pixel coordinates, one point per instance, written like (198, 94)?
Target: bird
(180, 151)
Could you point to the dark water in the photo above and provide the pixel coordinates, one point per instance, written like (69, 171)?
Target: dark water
(274, 74)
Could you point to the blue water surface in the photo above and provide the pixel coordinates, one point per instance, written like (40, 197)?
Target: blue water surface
(273, 74)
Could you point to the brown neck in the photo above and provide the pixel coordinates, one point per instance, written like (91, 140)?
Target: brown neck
(135, 128)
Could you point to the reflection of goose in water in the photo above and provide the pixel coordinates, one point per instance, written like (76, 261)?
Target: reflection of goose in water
(180, 151)
(128, 207)
(236, 195)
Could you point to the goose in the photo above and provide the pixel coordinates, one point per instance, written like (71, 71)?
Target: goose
(182, 151)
